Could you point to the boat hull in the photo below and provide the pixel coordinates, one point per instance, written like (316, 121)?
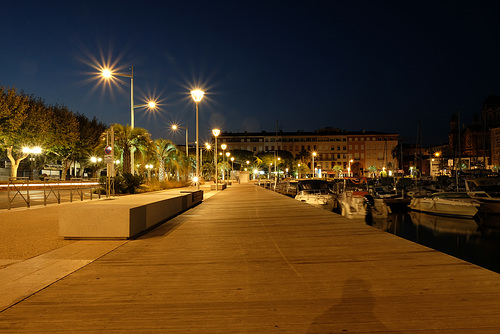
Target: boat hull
(445, 207)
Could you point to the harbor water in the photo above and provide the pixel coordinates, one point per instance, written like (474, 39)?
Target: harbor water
(474, 240)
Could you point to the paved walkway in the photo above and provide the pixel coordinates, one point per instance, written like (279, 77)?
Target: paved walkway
(248, 260)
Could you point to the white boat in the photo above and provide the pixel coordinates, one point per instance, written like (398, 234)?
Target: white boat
(316, 193)
(486, 191)
(354, 205)
(453, 204)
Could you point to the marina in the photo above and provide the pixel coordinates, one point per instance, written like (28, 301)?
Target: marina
(462, 224)
(473, 240)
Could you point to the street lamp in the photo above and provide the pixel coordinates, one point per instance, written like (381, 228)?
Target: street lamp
(32, 151)
(313, 155)
(197, 96)
(227, 159)
(207, 147)
(175, 127)
(216, 133)
(149, 167)
(349, 168)
(96, 161)
(108, 74)
(223, 146)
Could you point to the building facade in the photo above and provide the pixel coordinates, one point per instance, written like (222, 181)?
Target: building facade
(473, 141)
(495, 146)
(351, 151)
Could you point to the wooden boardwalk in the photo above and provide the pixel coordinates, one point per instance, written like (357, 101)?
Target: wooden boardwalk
(248, 260)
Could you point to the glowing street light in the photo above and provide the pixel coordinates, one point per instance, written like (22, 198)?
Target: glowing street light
(108, 74)
(314, 171)
(223, 146)
(197, 96)
(175, 127)
(31, 151)
(227, 159)
(216, 133)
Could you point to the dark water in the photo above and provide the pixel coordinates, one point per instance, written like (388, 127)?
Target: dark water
(473, 240)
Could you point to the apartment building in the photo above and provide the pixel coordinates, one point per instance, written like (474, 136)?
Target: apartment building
(334, 147)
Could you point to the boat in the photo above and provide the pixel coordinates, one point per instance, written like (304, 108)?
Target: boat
(355, 201)
(486, 191)
(316, 193)
(451, 204)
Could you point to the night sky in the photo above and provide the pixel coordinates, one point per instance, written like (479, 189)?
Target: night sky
(373, 65)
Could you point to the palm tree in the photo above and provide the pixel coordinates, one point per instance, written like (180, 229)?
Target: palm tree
(128, 139)
(337, 169)
(167, 156)
(372, 169)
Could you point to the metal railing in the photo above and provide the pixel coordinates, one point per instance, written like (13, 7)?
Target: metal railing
(23, 187)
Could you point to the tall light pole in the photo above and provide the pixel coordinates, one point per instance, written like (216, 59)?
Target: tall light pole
(223, 146)
(313, 155)
(227, 159)
(31, 152)
(207, 148)
(197, 96)
(106, 73)
(175, 127)
(216, 133)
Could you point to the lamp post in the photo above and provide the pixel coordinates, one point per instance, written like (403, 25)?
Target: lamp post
(32, 151)
(197, 96)
(216, 133)
(227, 159)
(223, 146)
(232, 164)
(349, 168)
(149, 167)
(96, 161)
(207, 148)
(312, 167)
(175, 127)
(106, 73)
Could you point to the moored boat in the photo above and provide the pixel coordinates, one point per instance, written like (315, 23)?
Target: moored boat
(487, 192)
(316, 193)
(453, 204)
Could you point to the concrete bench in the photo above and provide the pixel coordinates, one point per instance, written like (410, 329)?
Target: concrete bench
(123, 217)
(220, 186)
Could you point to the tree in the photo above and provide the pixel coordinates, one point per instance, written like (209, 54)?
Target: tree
(337, 170)
(372, 169)
(166, 154)
(24, 122)
(90, 132)
(128, 139)
(63, 136)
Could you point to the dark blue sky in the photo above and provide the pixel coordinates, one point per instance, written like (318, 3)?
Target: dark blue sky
(374, 65)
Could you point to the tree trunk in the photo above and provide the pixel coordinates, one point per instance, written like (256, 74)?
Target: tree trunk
(14, 163)
(161, 171)
(66, 165)
(126, 160)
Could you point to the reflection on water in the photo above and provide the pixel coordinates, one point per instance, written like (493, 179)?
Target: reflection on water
(473, 240)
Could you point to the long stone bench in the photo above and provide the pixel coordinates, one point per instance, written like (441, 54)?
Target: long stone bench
(123, 217)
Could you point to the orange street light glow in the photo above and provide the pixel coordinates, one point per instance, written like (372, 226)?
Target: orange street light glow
(197, 95)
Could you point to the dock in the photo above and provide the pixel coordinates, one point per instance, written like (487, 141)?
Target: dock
(249, 260)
